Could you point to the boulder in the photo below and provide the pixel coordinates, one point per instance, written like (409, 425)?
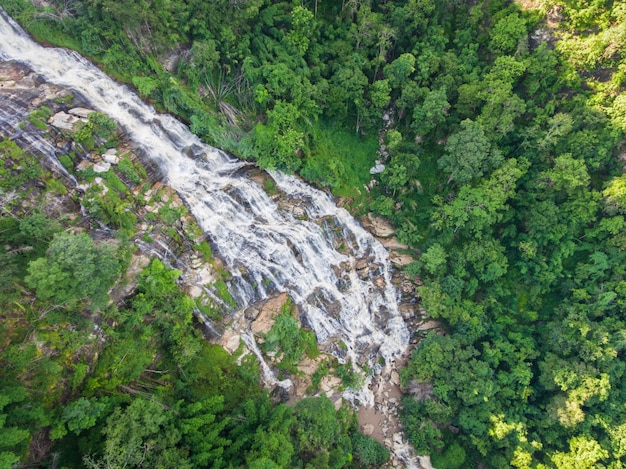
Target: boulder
(101, 167)
(64, 121)
(84, 165)
(111, 158)
(81, 112)
(379, 168)
(379, 226)
(299, 212)
(400, 259)
(379, 282)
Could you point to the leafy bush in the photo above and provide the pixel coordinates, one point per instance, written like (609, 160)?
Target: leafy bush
(16, 167)
(368, 451)
(126, 167)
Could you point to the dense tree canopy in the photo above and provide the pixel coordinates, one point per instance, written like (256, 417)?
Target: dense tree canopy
(503, 128)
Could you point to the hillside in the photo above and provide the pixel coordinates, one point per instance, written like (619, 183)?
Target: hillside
(495, 130)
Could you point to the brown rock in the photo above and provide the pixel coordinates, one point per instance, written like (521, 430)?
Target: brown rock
(380, 227)
(265, 320)
(400, 259)
(379, 282)
(367, 429)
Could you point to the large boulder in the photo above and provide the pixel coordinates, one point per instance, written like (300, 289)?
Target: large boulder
(64, 121)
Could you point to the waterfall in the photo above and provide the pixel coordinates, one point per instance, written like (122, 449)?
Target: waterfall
(266, 247)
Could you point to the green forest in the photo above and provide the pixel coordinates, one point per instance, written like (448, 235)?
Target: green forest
(501, 125)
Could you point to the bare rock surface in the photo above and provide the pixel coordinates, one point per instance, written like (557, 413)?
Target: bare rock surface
(64, 121)
(265, 320)
(81, 112)
(378, 226)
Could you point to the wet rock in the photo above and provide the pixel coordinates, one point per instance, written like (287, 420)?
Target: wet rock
(393, 243)
(111, 159)
(81, 112)
(101, 167)
(64, 121)
(329, 383)
(110, 156)
(230, 341)
(361, 264)
(299, 212)
(379, 226)
(252, 313)
(84, 165)
(379, 282)
(428, 325)
(407, 287)
(407, 311)
(196, 279)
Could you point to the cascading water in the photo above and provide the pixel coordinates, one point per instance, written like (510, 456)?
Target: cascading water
(11, 119)
(266, 248)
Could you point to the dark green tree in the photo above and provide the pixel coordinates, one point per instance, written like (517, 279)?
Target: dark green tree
(74, 269)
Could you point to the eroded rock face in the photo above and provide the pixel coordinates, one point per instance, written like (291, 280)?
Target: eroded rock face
(265, 319)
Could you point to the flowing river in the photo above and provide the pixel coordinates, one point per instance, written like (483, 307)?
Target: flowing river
(266, 248)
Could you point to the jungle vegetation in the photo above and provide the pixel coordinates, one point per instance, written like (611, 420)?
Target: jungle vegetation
(503, 124)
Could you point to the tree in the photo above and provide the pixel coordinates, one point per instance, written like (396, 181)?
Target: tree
(318, 433)
(74, 268)
(434, 259)
(11, 437)
(400, 70)
(507, 33)
(584, 453)
(432, 112)
(201, 426)
(468, 154)
(141, 435)
(302, 21)
(281, 143)
(478, 208)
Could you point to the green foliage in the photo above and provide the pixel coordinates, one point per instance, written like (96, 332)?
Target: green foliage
(97, 125)
(128, 170)
(143, 432)
(368, 451)
(74, 269)
(469, 154)
(16, 167)
(109, 207)
(504, 136)
(318, 433)
(82, 414)
(205, 250)
(221, 289)
(289, 339)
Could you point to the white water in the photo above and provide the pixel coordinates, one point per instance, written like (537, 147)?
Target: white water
(247, 228)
